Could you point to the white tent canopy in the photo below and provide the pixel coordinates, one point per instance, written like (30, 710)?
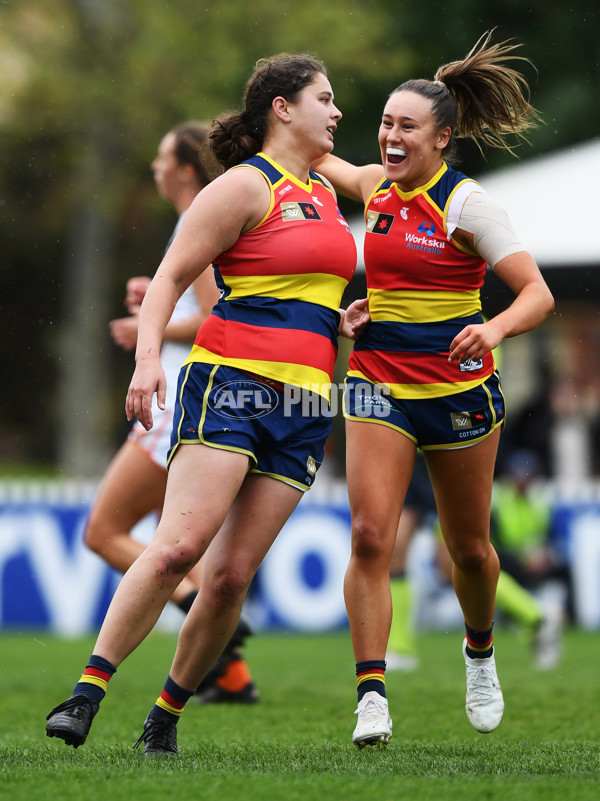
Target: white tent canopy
(552, 203)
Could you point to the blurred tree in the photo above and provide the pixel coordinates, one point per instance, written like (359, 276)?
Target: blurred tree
(90, 86)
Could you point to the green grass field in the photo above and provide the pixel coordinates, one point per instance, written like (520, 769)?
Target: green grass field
(295, 743)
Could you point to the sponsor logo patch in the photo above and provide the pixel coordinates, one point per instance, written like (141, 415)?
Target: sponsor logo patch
(427, 227)
(379, 223)
(463, 420)
(299, 211)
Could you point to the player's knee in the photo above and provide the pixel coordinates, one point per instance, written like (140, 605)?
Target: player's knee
(175, 561)
(369, 541)
(471, 556)
(227, 586)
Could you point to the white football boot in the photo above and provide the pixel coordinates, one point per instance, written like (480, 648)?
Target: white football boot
(485, 704)
(374, 723)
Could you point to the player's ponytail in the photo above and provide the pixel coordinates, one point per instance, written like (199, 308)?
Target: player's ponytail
(480, 96)
(235, 137)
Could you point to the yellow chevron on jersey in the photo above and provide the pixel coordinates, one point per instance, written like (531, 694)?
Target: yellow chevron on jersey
(382, 191)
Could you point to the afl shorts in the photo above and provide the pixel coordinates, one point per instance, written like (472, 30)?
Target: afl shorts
(452, 421)
(225, 408)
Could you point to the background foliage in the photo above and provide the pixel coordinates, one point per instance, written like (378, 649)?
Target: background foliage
(88, 89)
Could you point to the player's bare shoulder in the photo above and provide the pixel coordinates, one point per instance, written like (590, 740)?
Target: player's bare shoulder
(241, 195)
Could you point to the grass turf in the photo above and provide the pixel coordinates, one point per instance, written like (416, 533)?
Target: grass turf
(295, 743)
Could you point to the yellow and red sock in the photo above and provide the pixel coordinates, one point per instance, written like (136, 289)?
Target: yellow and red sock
(95, 678)
(171, 702)
(370, 677)
(479, 643)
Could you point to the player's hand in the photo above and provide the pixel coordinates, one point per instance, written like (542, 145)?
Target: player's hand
(135, 291)
(148, 378)
(124, 332)
(355, 318)
(474, 341)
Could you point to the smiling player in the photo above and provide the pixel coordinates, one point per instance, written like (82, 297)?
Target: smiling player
(430, 233)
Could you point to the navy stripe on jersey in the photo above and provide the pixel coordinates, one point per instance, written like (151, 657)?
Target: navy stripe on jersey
(414, 337)
(272, 173)
(441, 190)
(273, 313)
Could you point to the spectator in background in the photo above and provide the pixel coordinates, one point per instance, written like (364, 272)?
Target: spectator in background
(521, 534)
(560, 423)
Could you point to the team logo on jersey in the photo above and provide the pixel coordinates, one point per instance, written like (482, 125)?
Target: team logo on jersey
(426, 227)
(299, 211)
(379, 223)
(469, 365)
(404, 212)
(462, 420)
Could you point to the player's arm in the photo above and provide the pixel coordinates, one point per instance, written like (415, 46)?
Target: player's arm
(484, 227)
(351, 181)
(207, 294)
(230, 205)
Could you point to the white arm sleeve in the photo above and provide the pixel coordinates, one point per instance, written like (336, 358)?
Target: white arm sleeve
(493, 236)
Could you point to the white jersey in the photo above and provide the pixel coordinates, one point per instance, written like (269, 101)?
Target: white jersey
(157, 441)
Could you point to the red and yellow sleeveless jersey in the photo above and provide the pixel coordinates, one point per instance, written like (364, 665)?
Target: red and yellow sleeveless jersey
(281, 286)
(423, 289)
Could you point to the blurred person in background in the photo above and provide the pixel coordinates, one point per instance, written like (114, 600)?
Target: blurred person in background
(533, 589)
(418, 510)
(431, 232)
(283, 255)
(534, 586)
(134, 483)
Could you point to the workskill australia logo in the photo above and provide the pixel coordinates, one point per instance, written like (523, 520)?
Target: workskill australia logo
(427, 227)
(243, 399)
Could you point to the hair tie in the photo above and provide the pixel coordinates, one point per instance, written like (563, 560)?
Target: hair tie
(245, 118)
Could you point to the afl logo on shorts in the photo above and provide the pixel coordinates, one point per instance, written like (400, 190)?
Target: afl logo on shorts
(243, 399)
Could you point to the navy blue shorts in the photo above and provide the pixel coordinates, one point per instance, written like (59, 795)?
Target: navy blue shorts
(452, 421)
(225, 408)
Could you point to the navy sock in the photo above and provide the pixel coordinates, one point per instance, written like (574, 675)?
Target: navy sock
(95, 678)
(479, 643)
(370, 677)
(171, 701)
(186, 604)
